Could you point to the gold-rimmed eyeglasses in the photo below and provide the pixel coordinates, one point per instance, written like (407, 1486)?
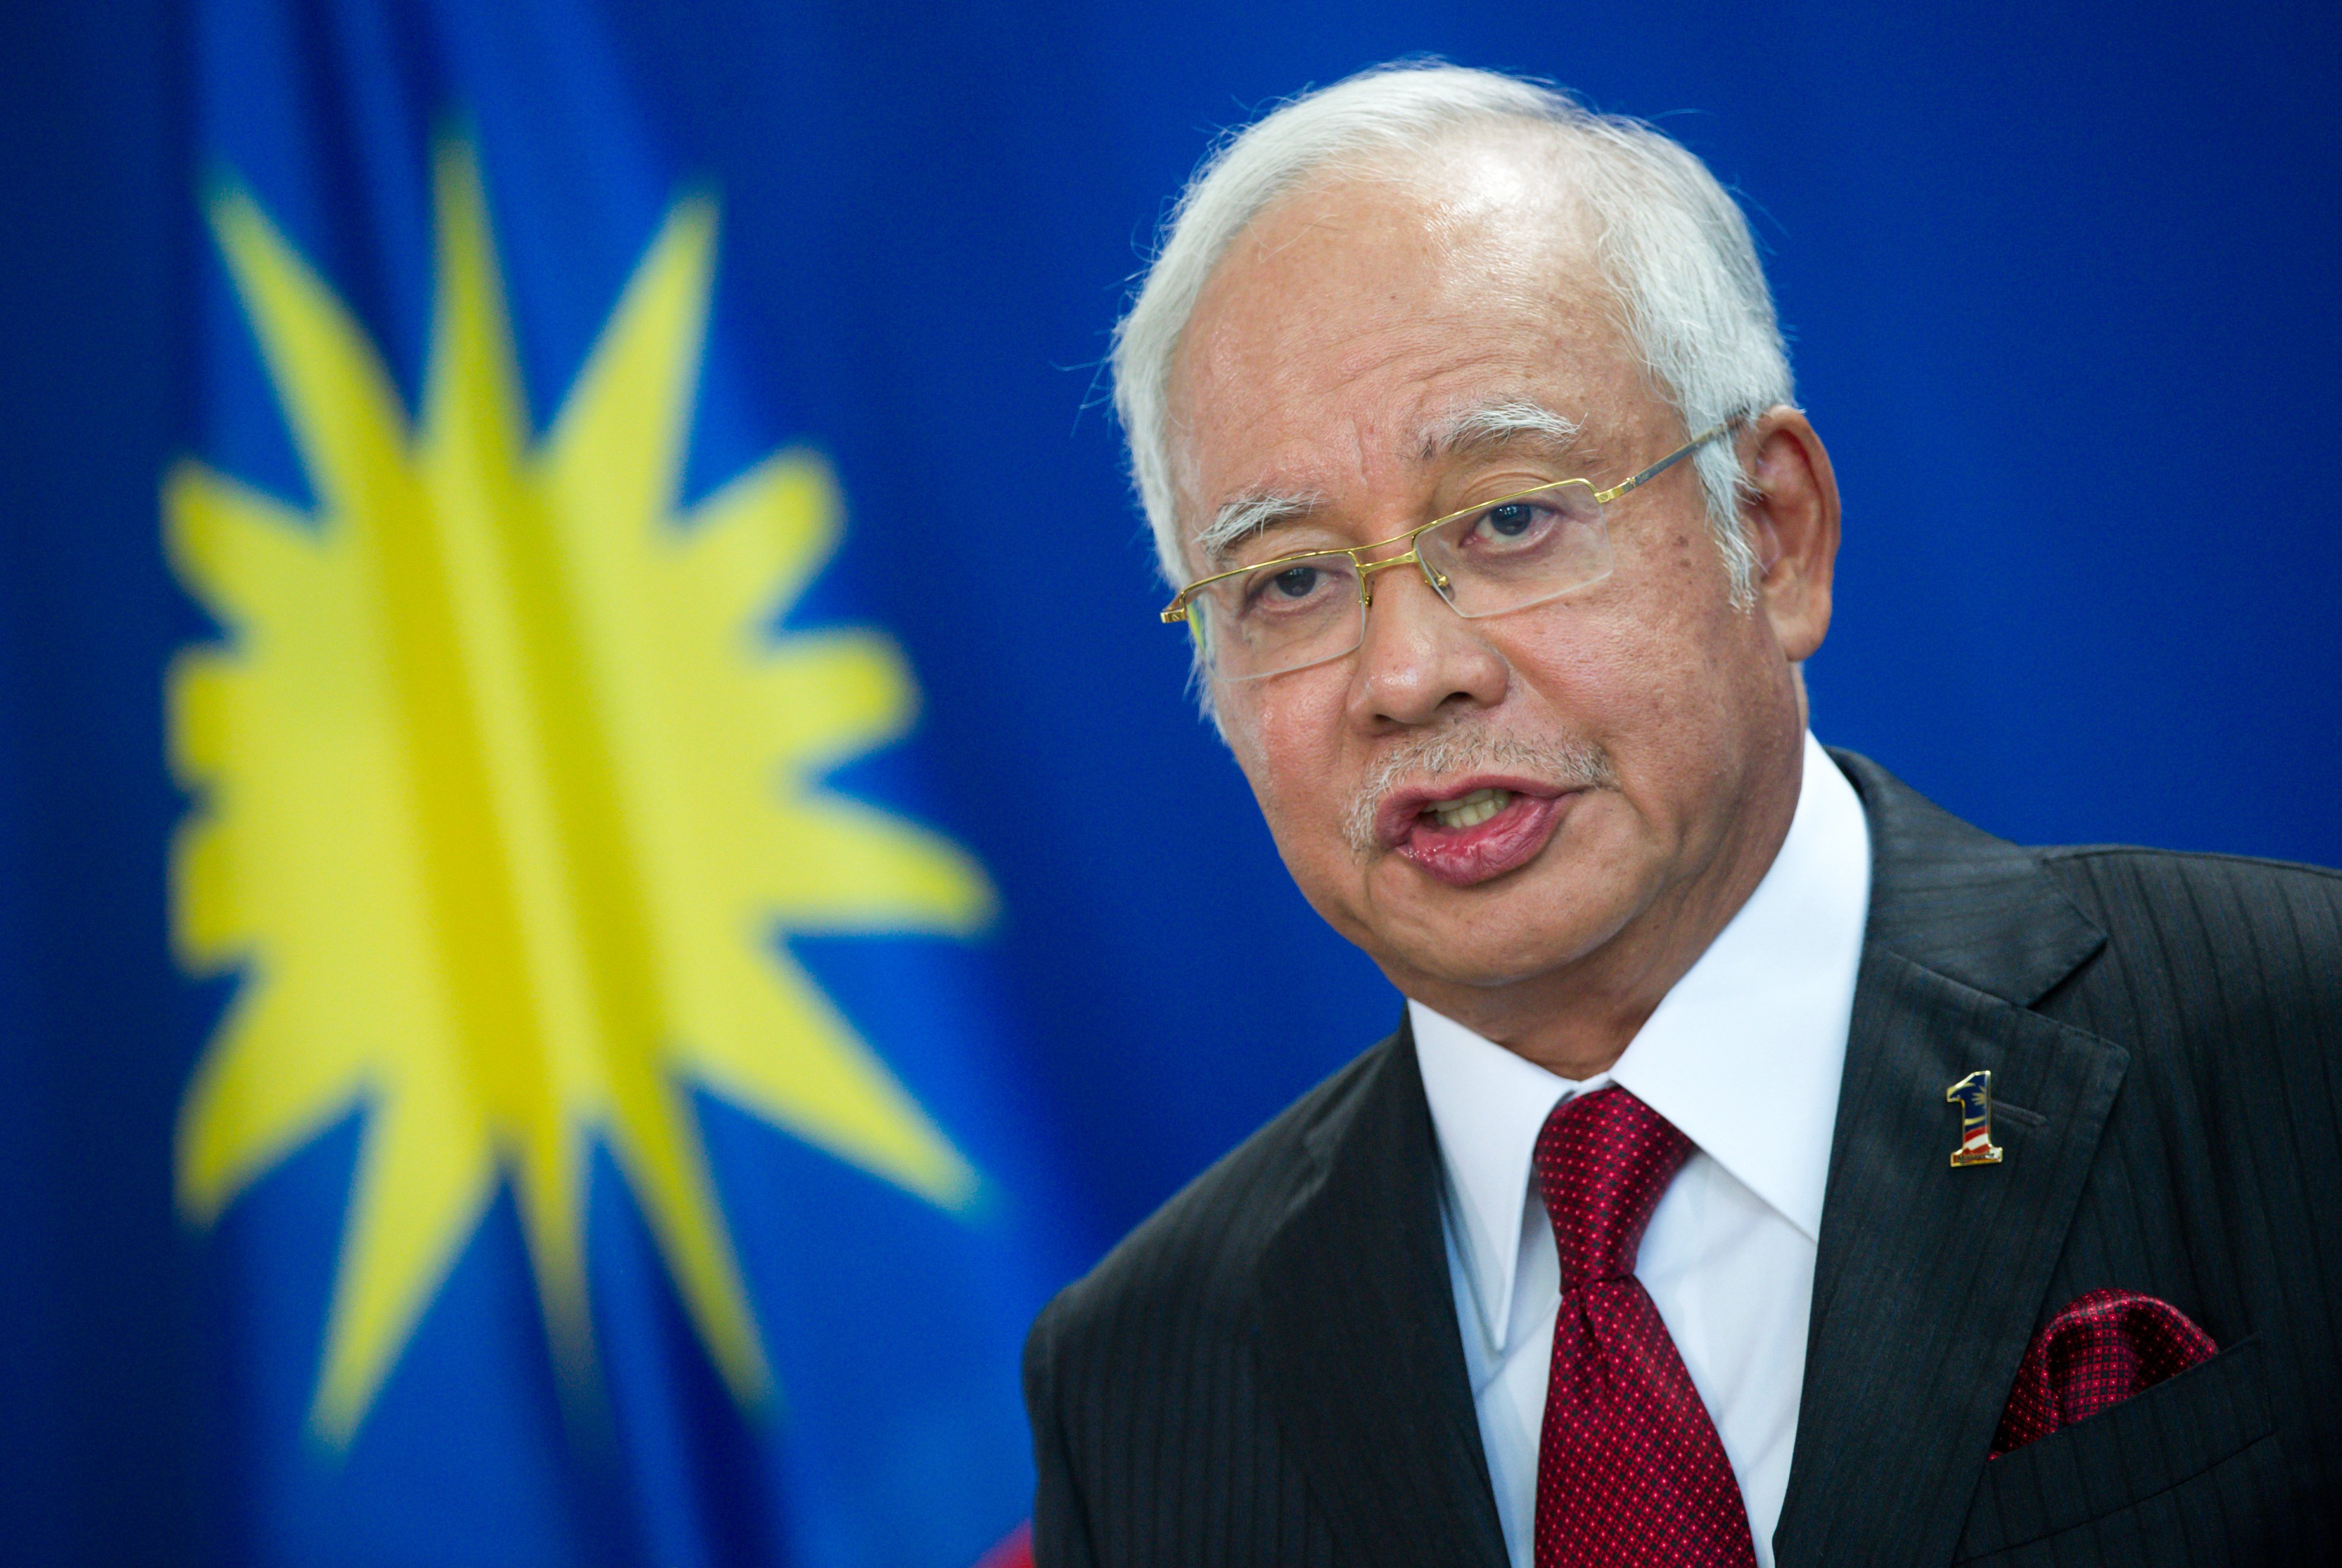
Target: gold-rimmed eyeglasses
(1289, 612)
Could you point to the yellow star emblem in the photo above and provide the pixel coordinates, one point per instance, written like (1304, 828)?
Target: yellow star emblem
(503, 790)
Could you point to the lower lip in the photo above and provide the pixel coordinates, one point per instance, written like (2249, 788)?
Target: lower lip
(1461, 857)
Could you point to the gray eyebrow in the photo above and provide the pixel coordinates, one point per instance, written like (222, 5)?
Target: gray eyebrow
(1477, 426)
(1490, 424)
(1239, 520)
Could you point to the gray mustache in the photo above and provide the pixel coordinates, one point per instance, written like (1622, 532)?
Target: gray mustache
(1561, 761)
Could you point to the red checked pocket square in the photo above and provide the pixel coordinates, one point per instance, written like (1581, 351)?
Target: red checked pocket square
(2102, 1349)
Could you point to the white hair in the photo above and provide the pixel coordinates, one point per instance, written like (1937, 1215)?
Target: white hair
(1670, 240)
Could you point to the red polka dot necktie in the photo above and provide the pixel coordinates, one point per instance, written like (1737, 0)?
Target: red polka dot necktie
(1629, 1467)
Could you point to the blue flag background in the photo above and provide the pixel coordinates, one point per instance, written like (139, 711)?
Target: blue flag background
(2061, 292)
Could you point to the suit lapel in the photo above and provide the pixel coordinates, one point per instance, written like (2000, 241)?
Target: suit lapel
(1359, 1347)
(1930, 1279)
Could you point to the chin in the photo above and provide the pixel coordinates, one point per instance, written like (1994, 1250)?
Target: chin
(1491, 939)
(1484, 965)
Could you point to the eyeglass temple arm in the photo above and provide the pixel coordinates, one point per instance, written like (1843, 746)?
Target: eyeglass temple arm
(1664, 464)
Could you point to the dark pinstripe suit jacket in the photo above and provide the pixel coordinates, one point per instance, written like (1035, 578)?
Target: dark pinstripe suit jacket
(1269, 1370)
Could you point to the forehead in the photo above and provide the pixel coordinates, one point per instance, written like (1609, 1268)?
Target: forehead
(1358, 314)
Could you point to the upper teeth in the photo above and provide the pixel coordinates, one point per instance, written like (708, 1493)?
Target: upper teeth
(1471, 810)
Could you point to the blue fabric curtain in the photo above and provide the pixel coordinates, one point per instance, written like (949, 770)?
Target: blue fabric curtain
(604, 877)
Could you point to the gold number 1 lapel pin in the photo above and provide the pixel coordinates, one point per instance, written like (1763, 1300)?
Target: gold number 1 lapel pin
(1973, 1095)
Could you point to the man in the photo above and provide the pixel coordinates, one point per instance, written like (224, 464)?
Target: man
(1770, 1168)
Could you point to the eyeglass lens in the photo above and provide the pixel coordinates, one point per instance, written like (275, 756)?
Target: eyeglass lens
(1297, 611)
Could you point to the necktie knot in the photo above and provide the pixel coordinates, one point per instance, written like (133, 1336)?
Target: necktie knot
(1602, 1160)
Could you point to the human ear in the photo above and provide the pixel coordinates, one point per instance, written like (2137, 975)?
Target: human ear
(1792, 518)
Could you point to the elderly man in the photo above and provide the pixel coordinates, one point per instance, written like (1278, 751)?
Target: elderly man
(1769, 1167)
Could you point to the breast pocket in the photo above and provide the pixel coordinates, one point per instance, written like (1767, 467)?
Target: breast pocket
(2187, 1471)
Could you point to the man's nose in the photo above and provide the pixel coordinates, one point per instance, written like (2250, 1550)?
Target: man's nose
(1419, 656)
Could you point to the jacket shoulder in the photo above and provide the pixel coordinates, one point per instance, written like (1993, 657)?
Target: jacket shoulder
(2273, 909)
(1152, 1437)
(2071, 860)
(1194, 1256)
(2209, 939)
(2121, 940)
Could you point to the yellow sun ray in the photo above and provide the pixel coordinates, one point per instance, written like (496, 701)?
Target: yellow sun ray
(505, 790)
(620, 438)
(813, 1091)
(337, 398)
(244, 553)
(754, 546)
(888, 882)
(251, 1101)
(425, 1173)
(864, 699)
(666, 1167)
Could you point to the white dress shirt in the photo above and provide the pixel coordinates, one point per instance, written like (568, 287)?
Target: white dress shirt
(1744, 1055)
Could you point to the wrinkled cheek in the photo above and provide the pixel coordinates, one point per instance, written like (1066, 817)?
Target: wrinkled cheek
(1245, 725)
(1291, 751)
(1600, 680)
(1282, 729)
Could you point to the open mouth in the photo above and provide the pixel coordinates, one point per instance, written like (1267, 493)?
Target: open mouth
(1469, 811)
(1477, 832)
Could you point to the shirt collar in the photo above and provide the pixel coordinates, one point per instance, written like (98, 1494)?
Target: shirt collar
(1744, 1055)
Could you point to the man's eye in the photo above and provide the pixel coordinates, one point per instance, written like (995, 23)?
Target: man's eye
(1510, 525)
(1284, 591)
(1511, 520)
